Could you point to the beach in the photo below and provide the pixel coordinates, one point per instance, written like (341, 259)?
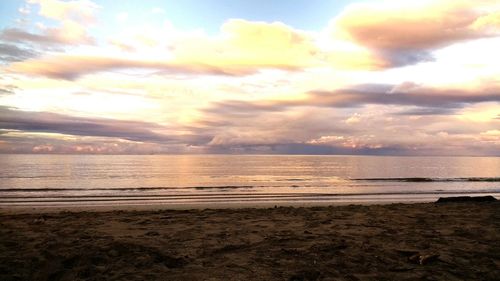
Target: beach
(424, 241)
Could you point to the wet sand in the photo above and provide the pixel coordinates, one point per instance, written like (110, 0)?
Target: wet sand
(427, 241)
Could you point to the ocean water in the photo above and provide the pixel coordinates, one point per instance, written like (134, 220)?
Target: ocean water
(239, 180)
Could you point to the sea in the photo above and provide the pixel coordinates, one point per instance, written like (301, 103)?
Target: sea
(213, 181)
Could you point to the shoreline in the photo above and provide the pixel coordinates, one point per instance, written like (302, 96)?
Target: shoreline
(424, 241)
(61, 206)
(22, 209)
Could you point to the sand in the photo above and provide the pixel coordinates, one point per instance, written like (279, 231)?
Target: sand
(452, 241)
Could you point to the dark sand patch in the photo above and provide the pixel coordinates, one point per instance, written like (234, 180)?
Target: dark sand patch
(376, 242)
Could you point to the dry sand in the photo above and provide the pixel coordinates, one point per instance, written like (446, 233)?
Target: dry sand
(374, 242)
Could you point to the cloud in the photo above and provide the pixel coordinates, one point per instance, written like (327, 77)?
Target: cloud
(306, 149)
(13, 53)
(6, 89)
(73, 21)
(404, 32)
(375, 35)
(228, 128)
(24, 10)
(246, 43)
(45, 132)
(82, 11)
(435, 99)
(287, 126)
(26, 142)
(392, 35)
(70, 34)
(404, 119)
(273, 45)
(322, 130)
(242, 48)
(423, 98)
(28, 121)
(427, 111)
(19, 36)
(63, 66)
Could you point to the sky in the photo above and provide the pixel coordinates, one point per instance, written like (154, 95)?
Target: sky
(250, 77)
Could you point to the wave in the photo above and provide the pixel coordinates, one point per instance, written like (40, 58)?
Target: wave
(28, 177)
(234, 187)
(232, 198)
(259, 194)
(126, 188)
(422, 179)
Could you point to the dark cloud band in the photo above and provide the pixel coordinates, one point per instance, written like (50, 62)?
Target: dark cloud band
(28, 121)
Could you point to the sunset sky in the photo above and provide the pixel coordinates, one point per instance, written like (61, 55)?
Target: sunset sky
(226, 76)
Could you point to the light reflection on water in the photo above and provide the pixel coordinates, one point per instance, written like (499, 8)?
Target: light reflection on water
(28, 178)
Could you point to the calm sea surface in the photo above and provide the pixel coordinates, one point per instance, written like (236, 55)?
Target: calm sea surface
(215, 180)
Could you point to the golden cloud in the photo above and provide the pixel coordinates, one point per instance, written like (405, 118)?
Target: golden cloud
(244, 43)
